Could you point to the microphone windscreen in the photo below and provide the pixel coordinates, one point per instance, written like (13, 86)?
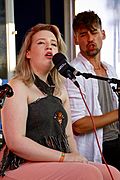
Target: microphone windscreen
(61, 64)
(58, 59)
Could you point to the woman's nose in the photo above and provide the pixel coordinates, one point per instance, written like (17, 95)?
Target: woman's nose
(48, 46)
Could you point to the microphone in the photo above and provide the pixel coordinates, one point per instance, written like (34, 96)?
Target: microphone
(64, 68)
(5, 91)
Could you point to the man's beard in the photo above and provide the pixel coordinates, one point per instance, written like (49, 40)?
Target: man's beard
(92, 53)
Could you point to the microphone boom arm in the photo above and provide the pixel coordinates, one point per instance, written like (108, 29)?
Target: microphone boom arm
(89, 75)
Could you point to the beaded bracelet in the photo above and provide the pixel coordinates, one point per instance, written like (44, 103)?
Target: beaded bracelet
(62, 157)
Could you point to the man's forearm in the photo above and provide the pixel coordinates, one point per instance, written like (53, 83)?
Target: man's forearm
(85, 124)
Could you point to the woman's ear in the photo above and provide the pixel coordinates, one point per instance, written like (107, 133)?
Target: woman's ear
(28, 54)
(75, 39)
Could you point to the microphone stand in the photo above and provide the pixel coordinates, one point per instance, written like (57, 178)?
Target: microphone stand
(109, 80)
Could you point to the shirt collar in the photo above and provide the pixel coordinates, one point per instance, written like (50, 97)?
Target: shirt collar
(87, 64)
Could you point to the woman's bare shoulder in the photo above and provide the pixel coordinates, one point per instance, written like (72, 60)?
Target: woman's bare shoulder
(18, 85)
(17, 82)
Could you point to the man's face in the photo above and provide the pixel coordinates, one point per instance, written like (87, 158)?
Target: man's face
(89, 40)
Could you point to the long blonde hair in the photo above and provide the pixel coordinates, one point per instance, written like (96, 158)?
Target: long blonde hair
(23, 69)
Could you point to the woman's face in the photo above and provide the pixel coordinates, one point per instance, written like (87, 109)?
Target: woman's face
(43, 47)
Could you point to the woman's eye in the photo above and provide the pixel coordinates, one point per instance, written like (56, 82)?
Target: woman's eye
(40, 42)
(53, 44)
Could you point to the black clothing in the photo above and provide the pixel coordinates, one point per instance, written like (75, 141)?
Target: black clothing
(43, 123)
(111, 152)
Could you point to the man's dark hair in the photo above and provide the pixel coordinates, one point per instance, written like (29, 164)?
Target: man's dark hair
(86, 19)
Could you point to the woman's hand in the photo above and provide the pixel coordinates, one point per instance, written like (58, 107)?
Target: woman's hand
(75, 157)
